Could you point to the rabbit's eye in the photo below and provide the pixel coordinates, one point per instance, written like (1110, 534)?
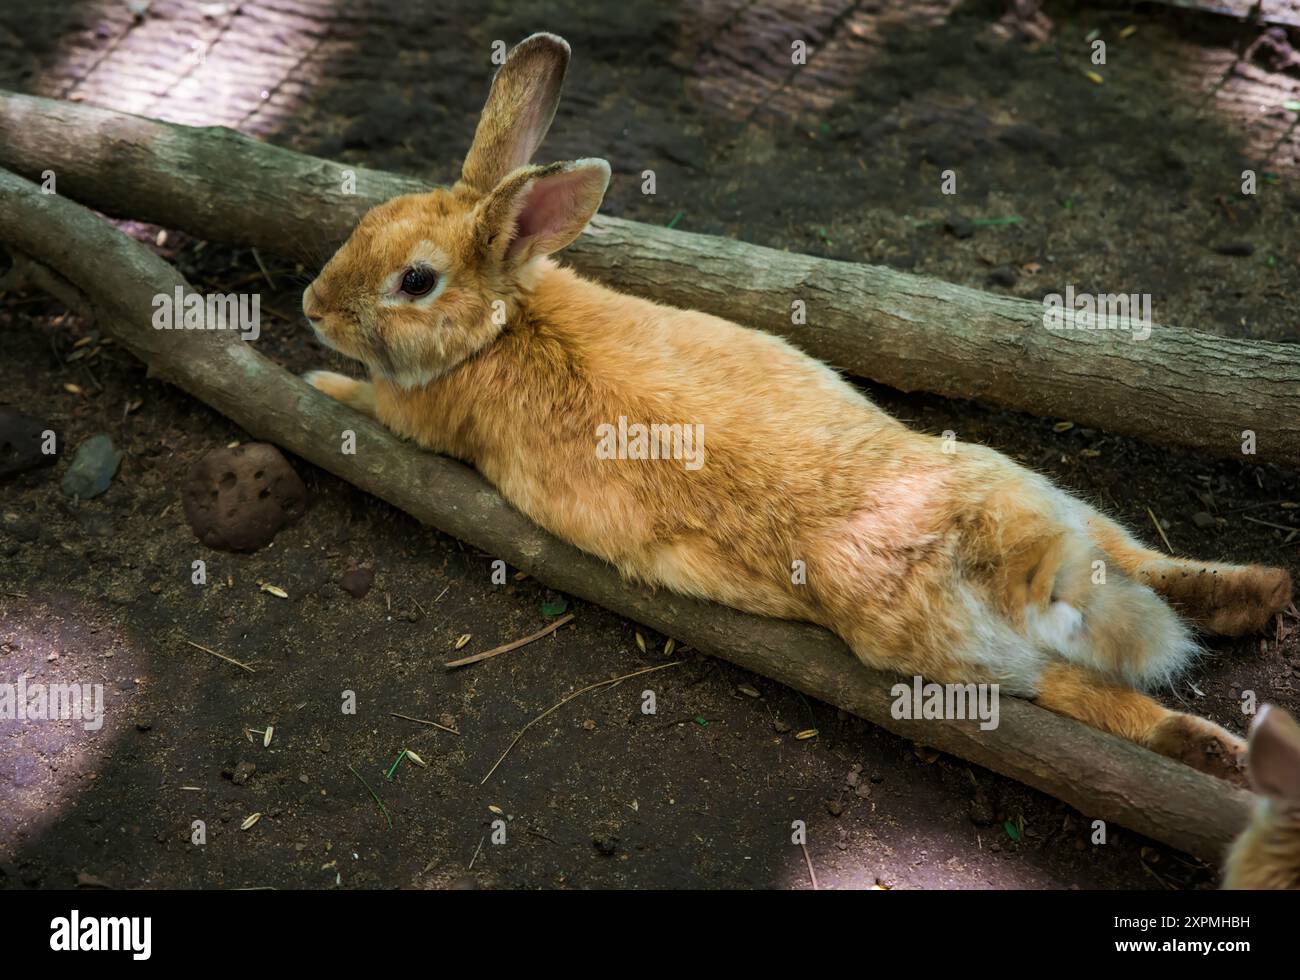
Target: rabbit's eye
(418, 282)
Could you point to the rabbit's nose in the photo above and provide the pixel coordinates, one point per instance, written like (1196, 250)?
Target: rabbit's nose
(312, 308)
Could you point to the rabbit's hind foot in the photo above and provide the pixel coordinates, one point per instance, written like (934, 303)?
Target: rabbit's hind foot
(1119, 710)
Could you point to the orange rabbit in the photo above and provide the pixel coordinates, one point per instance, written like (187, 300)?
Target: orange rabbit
(803, 500)
(1267, 854)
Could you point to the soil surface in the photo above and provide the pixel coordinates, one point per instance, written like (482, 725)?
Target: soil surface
(1133, 184)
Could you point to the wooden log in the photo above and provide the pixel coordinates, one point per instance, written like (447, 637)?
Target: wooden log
(1178, 386)
(1104, 777)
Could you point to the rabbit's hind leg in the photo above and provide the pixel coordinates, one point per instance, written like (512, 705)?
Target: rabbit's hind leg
(1093, 699)
(1228, 600)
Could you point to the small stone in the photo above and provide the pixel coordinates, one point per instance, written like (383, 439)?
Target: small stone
(1238, 249)
(959, 227)
(1203, 520)
(863, 790)
(241, 774)
(981, 811)
(356, 582)
(20, 527)
(1004, 275)
(22, 439)
(92, 468)
(834, 808)
(589, 725)
(780, 727)
(238, 499)
(853, 777)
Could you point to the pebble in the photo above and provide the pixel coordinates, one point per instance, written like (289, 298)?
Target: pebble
(238, 499)
(356, 582)
(981, 811)
(1203, 520)
(21, 440)
(20, 527)
(1239, 249)
(242, 773)
(1004, 275)
(92, 468)
(959, 227)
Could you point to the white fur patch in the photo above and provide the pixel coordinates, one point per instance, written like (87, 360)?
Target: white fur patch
(1060, 628)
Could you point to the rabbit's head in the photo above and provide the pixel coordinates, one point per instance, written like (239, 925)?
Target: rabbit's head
(427, 280)
(1267, 854)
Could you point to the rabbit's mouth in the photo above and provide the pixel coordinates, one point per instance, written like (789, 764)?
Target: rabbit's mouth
(321, 335)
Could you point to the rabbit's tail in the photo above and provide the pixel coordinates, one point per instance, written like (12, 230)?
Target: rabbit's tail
(1086, 610)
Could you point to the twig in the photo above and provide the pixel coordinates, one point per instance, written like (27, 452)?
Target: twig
(375, 796)
(476, 850)
(424, 721)
(221, 656)
(1280, 527)
(1168, 547)
(807, 858)
(258, 258)
(563, 702)
(515, 645)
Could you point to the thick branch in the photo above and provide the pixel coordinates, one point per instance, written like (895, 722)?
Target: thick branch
(1101, 775)
(915, 334)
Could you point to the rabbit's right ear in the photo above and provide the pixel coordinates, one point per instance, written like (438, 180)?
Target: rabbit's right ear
(518, 111)
(1275, 755)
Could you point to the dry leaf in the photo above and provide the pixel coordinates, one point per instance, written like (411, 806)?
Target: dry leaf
(266, 735)
(248, 822)
(463, 639)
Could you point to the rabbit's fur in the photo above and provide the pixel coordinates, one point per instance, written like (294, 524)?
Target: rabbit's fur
(1267, 854)
(958, 566)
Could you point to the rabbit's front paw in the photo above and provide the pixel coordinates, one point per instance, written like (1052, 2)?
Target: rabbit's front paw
(358, 395)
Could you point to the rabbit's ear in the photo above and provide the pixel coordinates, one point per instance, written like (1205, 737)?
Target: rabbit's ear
(518, 111)
(1275, 755)
(540, 210)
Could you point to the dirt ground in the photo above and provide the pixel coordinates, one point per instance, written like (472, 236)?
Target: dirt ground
(1133, 184)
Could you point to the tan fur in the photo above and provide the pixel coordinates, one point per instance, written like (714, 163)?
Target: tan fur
(1267, 853)
(960, 566)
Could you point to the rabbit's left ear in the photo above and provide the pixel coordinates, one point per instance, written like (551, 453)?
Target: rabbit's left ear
(1274, 755)
(518, 111)
(540, 210)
